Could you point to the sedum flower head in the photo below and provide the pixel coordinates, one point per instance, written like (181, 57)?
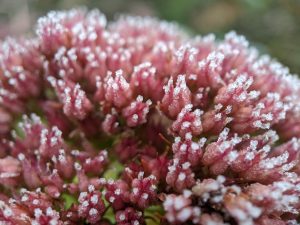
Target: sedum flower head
(134, 122)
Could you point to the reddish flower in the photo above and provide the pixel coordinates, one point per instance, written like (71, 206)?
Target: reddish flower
(175, 98)
(117, 193)
(143, 191)
(179, 209)
(180, 176)
(91, 205)
(10, 170)
(129, 216)
(136, 113)
(117, 90)
(188, 122)
(195, 130)
(74, 100)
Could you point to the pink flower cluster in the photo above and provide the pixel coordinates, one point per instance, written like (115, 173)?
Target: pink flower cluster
(135, 122)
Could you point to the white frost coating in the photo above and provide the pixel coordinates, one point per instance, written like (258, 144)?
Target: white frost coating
(270, 163)
(94, 199)
(181, 176)
(178, 202)
(145, 196)
(93, 212)
(91, 188)
(186, 165)
(184, 214)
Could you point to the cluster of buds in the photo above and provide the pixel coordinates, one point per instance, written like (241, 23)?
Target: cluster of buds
(91, 205)
(132, 122)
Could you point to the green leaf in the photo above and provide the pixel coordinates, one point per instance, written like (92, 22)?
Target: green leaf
(69, 200)
(109, 214)
(153, 214)
(114, 170)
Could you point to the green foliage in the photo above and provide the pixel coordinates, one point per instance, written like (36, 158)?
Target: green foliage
(114, 170)
(68, 199)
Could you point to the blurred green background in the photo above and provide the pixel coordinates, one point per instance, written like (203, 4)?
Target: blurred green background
(271, 25)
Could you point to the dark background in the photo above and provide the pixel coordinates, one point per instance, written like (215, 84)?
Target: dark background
(271, 25)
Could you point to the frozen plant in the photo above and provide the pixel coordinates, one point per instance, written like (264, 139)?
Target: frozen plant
(134, 122)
